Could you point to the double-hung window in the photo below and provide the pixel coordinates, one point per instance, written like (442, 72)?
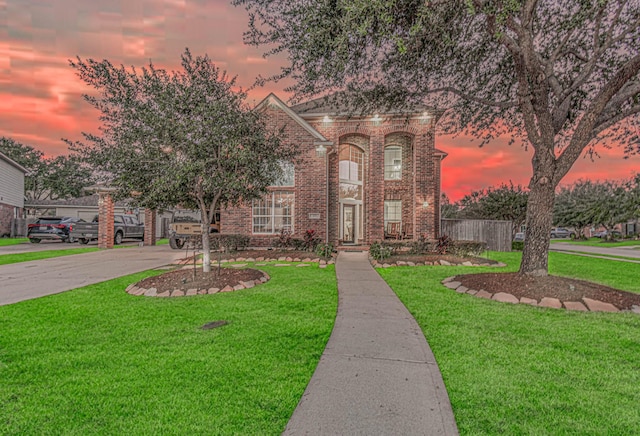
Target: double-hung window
(393, 162)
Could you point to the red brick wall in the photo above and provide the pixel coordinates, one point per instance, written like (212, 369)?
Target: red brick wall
(149, 227)
(6, 215)
(310, 189)
(420, 181)
(105, 220)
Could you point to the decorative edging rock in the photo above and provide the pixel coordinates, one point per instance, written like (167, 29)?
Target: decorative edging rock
(189, 260)
(587, 304)
(377, 264)
(133, 289)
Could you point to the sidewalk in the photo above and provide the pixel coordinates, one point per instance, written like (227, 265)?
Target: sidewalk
(27, 280)
(377, 374)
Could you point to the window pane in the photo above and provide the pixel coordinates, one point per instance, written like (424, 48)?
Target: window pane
(393, 163)
(288, 176)
(273, 213)
(392, 211)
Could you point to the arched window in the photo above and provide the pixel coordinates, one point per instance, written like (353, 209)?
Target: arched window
(393, 162)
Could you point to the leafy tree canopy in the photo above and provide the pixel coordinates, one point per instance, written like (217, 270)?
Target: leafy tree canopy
(48, 178)
(179, 138)
(560, 75)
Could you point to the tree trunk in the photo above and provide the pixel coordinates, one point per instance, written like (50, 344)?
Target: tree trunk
(539, 219)
(206, 250)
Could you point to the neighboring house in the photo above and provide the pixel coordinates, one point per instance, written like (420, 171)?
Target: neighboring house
(360, 178)
(11, 193)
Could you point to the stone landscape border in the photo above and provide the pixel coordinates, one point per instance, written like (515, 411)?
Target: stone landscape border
(443, 262)
(133, 289)
(586, 305)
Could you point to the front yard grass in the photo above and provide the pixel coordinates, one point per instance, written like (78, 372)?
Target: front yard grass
(517, 369)
(99, 361)
(12, 241)
(6, 259)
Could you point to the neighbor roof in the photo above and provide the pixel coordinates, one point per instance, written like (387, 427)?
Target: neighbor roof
(13, 163)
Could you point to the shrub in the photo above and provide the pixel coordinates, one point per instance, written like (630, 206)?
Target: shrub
(422, 245)
(443, 244)
(467, 248)
(517, 245)
(311, 240)
(284, 239)
(324, 250)
(228, 243)
(380, 250)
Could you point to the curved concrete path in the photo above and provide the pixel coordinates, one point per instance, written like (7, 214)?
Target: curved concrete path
(377, 374)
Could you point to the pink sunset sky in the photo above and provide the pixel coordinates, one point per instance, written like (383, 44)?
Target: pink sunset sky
(40, 95)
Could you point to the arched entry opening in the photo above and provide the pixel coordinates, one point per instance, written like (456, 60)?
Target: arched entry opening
(351, 193)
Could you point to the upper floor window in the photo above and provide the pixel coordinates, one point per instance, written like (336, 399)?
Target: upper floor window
(351, 167)
(288, 175)
(393, 162)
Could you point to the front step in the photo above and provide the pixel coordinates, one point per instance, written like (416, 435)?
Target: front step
(353, 248)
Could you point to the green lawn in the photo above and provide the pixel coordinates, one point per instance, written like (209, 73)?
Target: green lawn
(516, 369)
(98, 361)
(6, 259)
(12, 241)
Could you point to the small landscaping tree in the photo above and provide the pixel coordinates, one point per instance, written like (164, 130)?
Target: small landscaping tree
(184, 137)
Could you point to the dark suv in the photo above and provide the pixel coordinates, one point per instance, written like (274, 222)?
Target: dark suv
(51, 227)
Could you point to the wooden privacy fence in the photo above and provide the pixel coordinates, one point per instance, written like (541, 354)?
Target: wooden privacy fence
(496, 234)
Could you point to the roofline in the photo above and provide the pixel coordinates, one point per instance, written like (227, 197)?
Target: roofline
(13, 163)
(437, 113)
(273, 99)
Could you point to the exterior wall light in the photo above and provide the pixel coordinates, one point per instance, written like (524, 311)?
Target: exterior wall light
(376, 119)
(326, 119)
(321, 150)
(426, 117)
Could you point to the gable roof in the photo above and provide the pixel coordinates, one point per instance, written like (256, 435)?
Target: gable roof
(273, 100)
(13, 163)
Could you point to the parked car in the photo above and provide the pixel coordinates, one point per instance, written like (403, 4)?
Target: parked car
(605, 233)
(518, 237)
(561, 232)
(124, 227)
(187, 223)
(51, 228)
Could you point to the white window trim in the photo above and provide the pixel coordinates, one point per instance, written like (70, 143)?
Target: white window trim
(272, 216)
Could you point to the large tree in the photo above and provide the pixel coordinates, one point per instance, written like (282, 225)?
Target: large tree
(562, 76)
(51, 178)
(181, 138)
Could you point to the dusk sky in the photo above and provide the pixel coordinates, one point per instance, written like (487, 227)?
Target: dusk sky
(40, 95)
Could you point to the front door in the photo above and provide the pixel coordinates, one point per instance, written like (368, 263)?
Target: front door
(348, 223)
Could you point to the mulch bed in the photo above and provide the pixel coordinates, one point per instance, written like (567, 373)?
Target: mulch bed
(183, 279)
(562, 288)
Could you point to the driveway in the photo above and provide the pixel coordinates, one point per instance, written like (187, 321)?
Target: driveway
(629, 251)
(27, 280)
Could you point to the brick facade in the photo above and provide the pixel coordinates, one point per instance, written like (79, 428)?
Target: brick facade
(317, 178)
(149, 227)
(7, 214)
(105, 220)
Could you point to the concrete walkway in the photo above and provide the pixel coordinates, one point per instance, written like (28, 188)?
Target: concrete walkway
(377, 375)
(27, 280)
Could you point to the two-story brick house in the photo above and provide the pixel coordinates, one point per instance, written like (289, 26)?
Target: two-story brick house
(358, 180)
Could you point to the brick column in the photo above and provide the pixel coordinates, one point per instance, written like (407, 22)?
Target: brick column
(149, 227)
(425, 187)
(105, 220)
